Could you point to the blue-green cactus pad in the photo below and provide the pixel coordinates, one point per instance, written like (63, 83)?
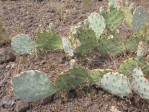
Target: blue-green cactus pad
(139, 19)
(32, 85)
(23, 44)
(116, 83)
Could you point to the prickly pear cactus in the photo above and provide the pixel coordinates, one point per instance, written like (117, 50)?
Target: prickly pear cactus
(67, 46)
(32, 85)
(111, 46)
(97, 74)
(49, 40)
(71, 79)
(96, 23)
(139, 19)
(88, 42)
(113, 19)
(116, 83)
(128, 65)
(140, 84)
(23, 44)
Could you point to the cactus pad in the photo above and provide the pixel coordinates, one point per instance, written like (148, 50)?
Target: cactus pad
(97, 74)
(96, 23)
(132, 43)
(67, 46)
(116, 84)
(127, 16)
(113, 19)
(23, 44)
(112, 46)
(140, 84)
(128, 65)
(32, 85)
(139, 19)
(88, 42)
(72, 79)
(49, 40)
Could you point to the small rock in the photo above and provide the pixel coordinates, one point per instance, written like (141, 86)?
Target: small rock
(114, 109)
(8, 66)
(21, 106)
(6, 55)
(7, 102)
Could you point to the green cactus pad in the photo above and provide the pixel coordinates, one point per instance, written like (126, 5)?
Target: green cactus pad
(140, 84)
(113, 19)
(133, 41)
(116, 83)
(49, 40)
(139, 19)
(127, 16)
(128, 65)
(88, 42)
(97, 74)
(112, 46)
(32, 85)
(96, 23)
(23, 44)
(72, 79)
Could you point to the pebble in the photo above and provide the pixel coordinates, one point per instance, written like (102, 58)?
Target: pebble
(7, 102)
(21, 106)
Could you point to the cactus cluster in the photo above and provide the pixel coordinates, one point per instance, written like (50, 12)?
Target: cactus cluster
(95, 32)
